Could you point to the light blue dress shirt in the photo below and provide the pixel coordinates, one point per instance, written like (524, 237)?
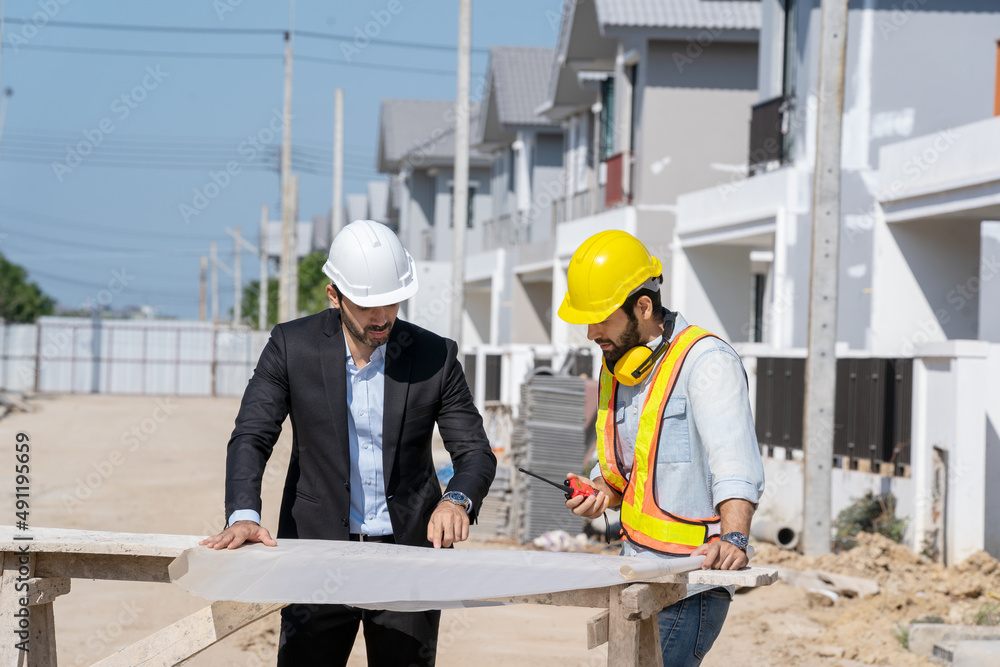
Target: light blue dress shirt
(365, 400)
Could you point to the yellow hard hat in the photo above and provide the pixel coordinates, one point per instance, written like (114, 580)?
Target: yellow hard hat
(608, 267)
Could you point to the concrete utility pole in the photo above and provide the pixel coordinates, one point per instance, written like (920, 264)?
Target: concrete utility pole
(821, 364)
(262, 294)
(238, 276)
(293, 265)
(215, 283)
(460, 197)
(201, 291)
(337, 211)
(288, 253)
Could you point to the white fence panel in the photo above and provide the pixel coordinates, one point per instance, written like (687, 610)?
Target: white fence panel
(158, 357)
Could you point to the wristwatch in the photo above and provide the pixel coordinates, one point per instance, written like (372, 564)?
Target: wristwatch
(458, 498)
(738, 540)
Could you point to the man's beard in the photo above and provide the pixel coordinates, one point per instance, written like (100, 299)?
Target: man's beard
(628, 339)
(363, 335)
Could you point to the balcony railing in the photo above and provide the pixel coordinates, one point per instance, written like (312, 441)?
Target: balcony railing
(502, 232)
(768, 127)
(619, 182)
(580, 205)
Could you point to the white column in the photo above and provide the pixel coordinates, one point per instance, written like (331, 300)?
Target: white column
(950, 386)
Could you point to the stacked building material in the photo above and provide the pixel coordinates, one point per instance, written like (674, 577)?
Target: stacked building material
(495, 512)
(549, 439)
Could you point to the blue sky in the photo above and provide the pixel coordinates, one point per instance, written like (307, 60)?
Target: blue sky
(112, 222)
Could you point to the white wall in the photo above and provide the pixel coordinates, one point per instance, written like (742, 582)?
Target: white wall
(992, 463)
(430, 308)
(717, 289)
(783, 493)
(920, 270)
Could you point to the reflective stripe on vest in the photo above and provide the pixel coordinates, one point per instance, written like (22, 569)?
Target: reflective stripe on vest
(643, 521)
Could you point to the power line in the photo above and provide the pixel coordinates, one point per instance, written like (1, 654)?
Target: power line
(149, 140)
(28, 216)
(243, 31)
(220, 55)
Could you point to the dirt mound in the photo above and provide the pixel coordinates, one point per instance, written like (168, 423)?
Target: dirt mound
(912, 588)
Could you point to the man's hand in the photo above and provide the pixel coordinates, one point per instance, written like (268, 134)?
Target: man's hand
(591, 507)
(721, 555)
(237, 534)
(448, 524)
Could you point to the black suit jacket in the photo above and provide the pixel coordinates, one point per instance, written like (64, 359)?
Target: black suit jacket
(302, 372)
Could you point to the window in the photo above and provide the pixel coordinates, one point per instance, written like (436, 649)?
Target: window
(468, 207)
(607, 120)
(632, 74)
(757, 288)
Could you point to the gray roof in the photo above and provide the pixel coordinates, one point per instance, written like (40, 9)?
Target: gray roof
(726, 14)
(517, 82)
(422, 133)
(520, 81)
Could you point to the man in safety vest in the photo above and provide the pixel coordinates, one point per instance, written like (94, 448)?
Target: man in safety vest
(675, 437)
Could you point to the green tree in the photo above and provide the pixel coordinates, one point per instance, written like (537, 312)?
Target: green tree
(312, 292)
(20, 300)
(312, 284)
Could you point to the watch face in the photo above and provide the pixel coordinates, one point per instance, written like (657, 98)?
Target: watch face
(737, 539)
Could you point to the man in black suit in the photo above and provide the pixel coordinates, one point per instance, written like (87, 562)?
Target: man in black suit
(363, 390)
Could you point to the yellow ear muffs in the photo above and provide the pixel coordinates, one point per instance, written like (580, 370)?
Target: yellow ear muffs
(636, 363)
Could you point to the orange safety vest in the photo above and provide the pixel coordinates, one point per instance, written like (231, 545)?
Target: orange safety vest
(643, 522)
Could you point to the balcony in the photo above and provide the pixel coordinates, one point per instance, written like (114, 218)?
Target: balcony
(502, 232)
(768, 130)
(619, 182)
(581, 205)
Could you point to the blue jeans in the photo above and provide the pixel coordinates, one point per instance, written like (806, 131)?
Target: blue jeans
(689, 628)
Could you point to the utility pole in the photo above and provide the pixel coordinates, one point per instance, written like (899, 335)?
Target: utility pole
(337, 212)
(238, 277)
(288, 249)
(293, 265)
(262, 295)
(460, 198)
(237, 271)
(215, 283)
(201, 291)
(821, 363)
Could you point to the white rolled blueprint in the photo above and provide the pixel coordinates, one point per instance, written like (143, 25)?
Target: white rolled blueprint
(390, 576)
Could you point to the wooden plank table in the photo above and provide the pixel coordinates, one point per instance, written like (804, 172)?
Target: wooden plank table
(36, 571)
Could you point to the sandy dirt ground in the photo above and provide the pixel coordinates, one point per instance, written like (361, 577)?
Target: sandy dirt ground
(167, 477)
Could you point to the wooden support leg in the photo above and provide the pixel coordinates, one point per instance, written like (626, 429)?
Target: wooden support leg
(633, 633)
(43, 637)
(189, 636)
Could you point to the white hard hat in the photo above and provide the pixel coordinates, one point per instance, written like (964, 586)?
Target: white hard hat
(370, 266)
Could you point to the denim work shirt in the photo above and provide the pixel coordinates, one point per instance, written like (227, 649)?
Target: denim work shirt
(365, 401)
(708, 450)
